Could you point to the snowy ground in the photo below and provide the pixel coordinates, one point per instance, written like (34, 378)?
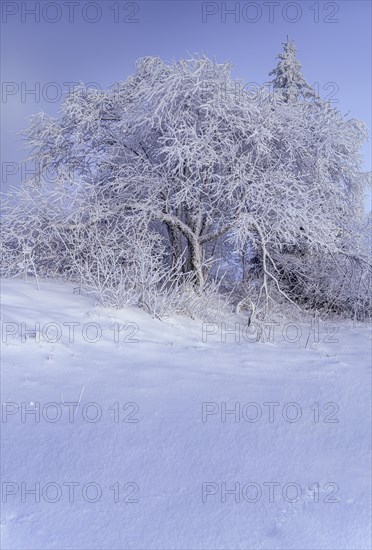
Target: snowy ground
(150, 457)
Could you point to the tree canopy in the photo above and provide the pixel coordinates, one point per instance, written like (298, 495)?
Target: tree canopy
(155, 174)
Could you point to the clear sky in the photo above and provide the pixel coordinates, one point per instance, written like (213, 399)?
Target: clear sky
(48, 44)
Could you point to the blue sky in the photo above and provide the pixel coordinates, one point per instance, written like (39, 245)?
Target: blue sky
(99, 42)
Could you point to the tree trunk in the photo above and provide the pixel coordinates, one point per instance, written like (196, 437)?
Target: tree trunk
(196, 258)
(175, 243)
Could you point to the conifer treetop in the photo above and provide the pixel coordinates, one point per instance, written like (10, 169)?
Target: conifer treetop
(288, 75)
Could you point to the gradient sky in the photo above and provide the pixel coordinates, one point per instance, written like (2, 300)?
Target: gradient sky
(333, 41)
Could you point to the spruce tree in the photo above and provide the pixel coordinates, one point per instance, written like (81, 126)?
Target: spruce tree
(288, 76)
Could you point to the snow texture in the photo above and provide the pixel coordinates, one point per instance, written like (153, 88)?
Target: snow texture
(166, 458)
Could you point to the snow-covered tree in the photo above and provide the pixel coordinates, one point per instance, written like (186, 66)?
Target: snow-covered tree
(335, 145)
(172, 151)
(289, 79)
(151, 176)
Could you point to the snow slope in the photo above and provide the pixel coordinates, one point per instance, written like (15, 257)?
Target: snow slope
(141, 435)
